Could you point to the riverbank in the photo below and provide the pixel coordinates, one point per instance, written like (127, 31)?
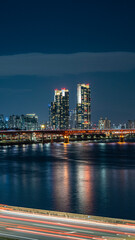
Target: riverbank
(66, 215)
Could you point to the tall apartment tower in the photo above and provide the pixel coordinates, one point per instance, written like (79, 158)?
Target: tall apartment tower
(83, 106)
(59, 110)
(65, 109)
(57, 105)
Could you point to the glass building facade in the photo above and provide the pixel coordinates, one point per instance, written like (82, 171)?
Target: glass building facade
(59, 110)
(83, 106)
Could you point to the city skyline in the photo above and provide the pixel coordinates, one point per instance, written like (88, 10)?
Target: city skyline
(42, 48)
(61, 116)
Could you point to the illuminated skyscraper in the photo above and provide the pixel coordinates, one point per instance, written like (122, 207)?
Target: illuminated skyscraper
(65, 109)
(59, 110)
(58, 105)
(83, 106)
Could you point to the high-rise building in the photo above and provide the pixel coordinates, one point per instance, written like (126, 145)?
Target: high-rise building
(65, 109)
(59, 110)
(104, 124)
(83, 106)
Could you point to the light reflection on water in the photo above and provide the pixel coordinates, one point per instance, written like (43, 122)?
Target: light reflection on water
(88, 178)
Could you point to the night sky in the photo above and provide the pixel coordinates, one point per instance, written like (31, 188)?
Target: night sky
(54, 44)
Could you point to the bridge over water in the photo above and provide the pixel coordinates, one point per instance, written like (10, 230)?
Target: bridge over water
(20, 136)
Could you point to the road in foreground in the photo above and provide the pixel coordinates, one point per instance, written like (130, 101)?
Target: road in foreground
(16, 225)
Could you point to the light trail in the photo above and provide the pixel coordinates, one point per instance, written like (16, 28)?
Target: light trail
(56, 231)
(10, 235)
(46, 227)
(68, 225)
(53, 234)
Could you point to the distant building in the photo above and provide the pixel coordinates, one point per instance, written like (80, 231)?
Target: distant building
(52, 116)
(49, 120)
(104, 124)
(123, 126)
(72, 119)
(23, 122)
(119, 126)
(59, 110)
(31, 122)
(22, 119)
(130, 124)
(2, 121)
(83, 106)
(14, 122)
(6, 119)
(114, 126)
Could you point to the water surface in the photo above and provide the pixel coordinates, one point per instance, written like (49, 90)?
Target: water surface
(88, 178)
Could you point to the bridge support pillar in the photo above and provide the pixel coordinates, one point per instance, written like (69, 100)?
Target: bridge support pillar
(66, 139)
(18, 136)
(51, 138)
(121, 138)
(2, 137)
(11, 137)
(30, 136)
(42, 137)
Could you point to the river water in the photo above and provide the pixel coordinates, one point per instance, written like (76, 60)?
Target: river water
(88, 178)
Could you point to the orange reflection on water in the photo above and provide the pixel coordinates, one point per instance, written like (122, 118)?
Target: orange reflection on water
(62, 187)
(85, 188)
(121, 143)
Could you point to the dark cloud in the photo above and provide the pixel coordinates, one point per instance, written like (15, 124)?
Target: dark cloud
(60, 64)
